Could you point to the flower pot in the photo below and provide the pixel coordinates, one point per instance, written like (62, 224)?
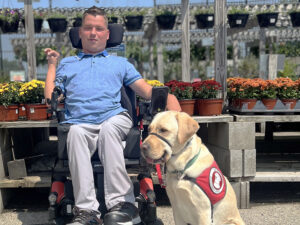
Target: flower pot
(267, 19)
(36, 111)
(250, 103)
(77, 22)
(289, 103)
(22, 112)
(9, 113)
(133, 23)
(269, 103)
(205, 21)
(10, 27)
(187, 106)
(209, 107)
(57, 24)
(37, 25)
(237, 20)
(165, 22)
(113, 19)
(295, 19)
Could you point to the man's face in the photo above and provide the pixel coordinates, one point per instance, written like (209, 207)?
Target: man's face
(93, 34)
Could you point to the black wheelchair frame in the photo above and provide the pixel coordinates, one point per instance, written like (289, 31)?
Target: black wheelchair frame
(61, 198)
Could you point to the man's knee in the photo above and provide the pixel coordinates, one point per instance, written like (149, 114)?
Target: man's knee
(75, 132)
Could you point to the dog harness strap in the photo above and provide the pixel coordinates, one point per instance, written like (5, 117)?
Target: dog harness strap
(162, 138)
(212, 182)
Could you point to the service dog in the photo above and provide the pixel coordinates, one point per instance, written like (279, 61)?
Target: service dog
(198, 192)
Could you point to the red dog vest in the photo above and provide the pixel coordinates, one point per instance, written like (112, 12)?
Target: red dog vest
(212, 182)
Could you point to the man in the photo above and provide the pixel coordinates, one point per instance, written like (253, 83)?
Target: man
(91, 82)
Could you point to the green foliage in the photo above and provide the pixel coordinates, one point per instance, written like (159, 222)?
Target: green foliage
(10, 15)
(164, 11)
(55, 15)
(140, 12)
(289, 70)
(249, 67)
(204, 10)
(237, 10)
(289, 49)
(9, 93)
(41, 59)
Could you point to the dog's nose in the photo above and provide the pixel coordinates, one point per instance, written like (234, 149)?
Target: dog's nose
(145, 147)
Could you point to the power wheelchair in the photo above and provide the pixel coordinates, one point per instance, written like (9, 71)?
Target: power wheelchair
(61, 198)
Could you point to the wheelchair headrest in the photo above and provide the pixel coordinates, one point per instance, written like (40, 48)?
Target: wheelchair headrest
(116, 32)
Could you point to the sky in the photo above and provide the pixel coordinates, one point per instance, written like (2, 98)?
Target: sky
(89, 3)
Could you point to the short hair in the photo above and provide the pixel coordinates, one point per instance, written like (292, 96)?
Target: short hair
(95, 11)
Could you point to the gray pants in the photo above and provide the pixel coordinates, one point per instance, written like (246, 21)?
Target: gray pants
(82, 142)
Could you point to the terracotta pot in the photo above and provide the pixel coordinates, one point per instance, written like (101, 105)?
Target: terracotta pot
(9, 113)
(209, 107)
(36, 111)
(187, 105)
(22, 112)
(289, 103)
(250, 103)
(269, 103)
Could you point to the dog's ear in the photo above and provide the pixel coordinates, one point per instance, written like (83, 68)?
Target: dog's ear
(187, 127)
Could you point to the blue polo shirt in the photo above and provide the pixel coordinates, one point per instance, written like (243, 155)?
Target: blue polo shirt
(92, 84)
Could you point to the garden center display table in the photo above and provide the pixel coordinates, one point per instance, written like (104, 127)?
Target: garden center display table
(230, 138)
(279, 159)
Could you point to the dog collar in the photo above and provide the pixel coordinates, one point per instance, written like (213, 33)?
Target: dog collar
(162, 138)
(188, 165)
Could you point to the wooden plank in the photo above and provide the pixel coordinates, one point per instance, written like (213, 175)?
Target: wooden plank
(264, 118)
(221, 44)
(160, 59)
(185, 41)
(28, 124)
(26, 182)
(29, 24)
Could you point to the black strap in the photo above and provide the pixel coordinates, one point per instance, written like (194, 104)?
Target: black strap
(162, 138)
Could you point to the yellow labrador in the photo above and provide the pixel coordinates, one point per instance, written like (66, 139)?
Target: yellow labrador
(198, 191)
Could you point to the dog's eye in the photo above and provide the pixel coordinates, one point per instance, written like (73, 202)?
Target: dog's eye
(163, 130)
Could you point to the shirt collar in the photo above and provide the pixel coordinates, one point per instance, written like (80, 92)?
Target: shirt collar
(82, 54)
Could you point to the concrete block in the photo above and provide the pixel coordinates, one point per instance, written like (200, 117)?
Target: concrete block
(232, 135)
(235, 163)
(249, 161)
(242, 192)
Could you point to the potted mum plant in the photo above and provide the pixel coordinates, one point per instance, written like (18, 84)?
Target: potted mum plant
(204, 17)
(288, 91)
(165, 18)
(9, 20)
(184, 93)
(209, 97)
(9, 100)
(268, 93)
(242, 91)
(32, 95)
(237, 17)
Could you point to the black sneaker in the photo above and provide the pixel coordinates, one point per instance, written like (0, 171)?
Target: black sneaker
(123, 213)
(85, 217)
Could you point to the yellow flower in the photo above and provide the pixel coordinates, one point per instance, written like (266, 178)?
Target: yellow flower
(30, 88)
(21, 93)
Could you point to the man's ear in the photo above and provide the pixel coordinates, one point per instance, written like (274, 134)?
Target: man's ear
(187, 127)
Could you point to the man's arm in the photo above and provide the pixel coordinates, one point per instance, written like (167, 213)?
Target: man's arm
(52, 57)
(143, 89)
